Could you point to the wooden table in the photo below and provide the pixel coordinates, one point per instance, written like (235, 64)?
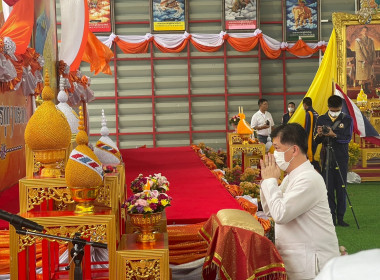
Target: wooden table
(235, 146)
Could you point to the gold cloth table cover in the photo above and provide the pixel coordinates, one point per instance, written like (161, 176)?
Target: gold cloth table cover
(98, 227)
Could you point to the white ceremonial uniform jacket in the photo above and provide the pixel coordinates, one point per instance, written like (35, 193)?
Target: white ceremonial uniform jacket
(259, 119)
(304, 232)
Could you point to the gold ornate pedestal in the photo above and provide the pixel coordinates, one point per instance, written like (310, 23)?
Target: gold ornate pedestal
(235, 146)
(99, 227)
(148, 261)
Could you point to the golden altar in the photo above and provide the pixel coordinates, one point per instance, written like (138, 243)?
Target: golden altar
(99, 227)
(371, 110)
(250, 152)
(143, 260)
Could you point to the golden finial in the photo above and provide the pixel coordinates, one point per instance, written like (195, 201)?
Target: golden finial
(47, 92)
(81, 138)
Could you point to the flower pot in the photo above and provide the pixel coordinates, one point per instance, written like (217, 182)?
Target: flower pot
(146, 223)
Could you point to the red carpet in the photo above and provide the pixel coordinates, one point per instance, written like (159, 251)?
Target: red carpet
(196, 192)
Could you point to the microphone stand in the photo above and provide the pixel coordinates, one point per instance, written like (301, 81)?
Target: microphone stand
(77, 251)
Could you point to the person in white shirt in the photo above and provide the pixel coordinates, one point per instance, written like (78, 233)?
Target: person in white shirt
(304, 232)
(361, 265)
(262, 121)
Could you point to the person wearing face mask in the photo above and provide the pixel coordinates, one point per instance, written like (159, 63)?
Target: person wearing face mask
(304, 232)
(286, 117)
(339, 126)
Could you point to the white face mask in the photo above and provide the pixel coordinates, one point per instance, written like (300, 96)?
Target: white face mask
(291, 109)
(334, 114)
(280, 159)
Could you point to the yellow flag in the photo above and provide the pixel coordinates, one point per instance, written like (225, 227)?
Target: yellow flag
(320, 89)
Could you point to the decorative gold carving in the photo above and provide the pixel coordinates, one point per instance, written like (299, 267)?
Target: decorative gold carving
(235, 145)
(145, 269)
(96, 233)
(365, 13)
(37, 195)
(104, 195)
(372, 155)
(340, 22)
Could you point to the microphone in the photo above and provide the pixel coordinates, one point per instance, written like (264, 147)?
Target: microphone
(18, 221)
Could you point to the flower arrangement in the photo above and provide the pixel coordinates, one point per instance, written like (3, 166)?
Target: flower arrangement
(251, 189)
(234, 120)
(156, 182)
(219, 157)
(354, 154)
(147, 202)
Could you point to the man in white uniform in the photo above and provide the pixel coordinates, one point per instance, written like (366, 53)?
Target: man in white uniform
(262, 121)
(304, 232)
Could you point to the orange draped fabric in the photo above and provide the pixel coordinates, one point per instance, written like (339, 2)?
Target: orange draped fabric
(174, 50)
(202, 48)
(238, 253)
(133, 47)
(98, 55)
(240, 44)
(185, 244)
(243, 44)
(301, 49)
(75, 64)
(19, 24)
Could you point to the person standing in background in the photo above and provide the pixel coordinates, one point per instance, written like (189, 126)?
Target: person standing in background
(334, 129)
(286, 117)
(309, 126)
(262, 121)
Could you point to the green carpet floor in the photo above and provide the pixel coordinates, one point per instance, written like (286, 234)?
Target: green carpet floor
(365, 200)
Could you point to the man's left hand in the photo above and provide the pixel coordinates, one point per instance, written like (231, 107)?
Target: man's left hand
(269, 168)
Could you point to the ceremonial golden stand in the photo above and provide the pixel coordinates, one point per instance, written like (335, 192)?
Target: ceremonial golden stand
(98, 227)
(371, 109)
(143, 260)
(251, 152)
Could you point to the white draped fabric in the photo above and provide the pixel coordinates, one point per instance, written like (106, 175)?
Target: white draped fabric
(72, 29)
(209, 40)
(6, 10)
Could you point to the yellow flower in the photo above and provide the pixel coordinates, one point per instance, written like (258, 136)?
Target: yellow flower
(130, 207)
(164, 202)
(147, 209)
(153, 200)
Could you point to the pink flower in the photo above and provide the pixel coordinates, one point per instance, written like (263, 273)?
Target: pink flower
(141, 202)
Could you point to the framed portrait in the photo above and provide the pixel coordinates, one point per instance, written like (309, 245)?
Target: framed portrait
(101, 16)
(358, 54)
(301, 20)
(240, 15)
(168, 16)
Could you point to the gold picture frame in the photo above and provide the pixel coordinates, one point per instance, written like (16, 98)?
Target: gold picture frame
(347, 29)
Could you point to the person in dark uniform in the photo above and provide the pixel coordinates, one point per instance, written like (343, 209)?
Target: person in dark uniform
(286, 117)
(335, 128)
(309, 126)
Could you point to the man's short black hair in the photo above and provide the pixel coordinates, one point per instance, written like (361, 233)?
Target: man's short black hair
(308, 101)
(292, 103)
(334, 101)
(291, 134)
(261, 101)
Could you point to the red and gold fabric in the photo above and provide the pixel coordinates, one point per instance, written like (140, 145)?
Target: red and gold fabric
(238, 253)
